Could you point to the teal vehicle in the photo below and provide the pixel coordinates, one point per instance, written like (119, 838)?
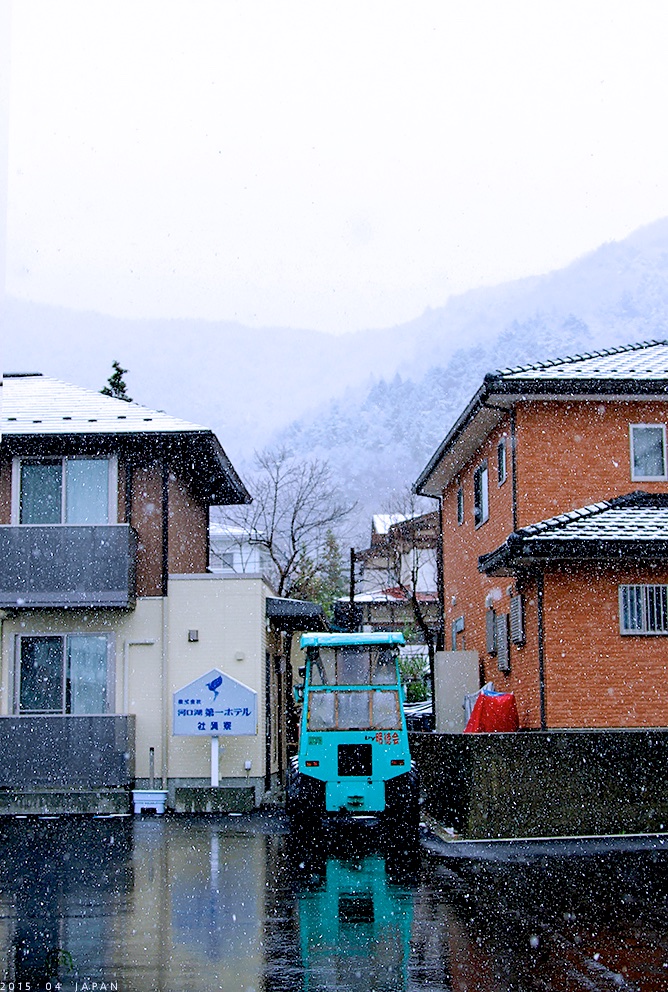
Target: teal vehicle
(353, 755)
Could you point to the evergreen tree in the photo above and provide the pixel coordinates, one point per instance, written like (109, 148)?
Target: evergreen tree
(116, 386)
(331, 570)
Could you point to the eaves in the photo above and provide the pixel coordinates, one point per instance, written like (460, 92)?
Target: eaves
(499, 394)
(530, 554)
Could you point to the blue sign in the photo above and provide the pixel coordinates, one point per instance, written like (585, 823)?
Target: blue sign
(215, 705)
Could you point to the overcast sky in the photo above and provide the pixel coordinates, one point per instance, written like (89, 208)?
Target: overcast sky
(327, 165)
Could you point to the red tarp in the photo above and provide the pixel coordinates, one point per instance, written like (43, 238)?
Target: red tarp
(493, 711)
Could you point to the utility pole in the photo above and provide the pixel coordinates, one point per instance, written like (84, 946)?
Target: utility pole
(351, 604)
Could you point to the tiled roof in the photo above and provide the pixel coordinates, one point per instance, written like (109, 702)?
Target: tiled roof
(638, 517)
(626, 526)
(646, 360)
(37, 404)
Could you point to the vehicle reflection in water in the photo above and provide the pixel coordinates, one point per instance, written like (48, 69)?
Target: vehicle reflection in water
(355, 920)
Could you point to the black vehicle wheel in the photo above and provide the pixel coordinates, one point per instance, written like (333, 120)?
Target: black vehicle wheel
(402, 810)
(304, 800)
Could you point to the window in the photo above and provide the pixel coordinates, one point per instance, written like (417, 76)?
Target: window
(354, 665)
(460, 505)
(480, 495)
(501, 462)
(68, 673)
(648, 451)
(65, 491)
(643, 609)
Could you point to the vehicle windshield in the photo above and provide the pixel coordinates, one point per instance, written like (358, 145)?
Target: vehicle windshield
(354, 665)
(354, 710)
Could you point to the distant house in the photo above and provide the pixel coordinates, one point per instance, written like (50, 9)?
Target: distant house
(235, 551)
(396, 580)
(108, 607)
(554, 490)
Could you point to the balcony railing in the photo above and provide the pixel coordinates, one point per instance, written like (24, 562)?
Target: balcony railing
(67, 752)
(66, 566)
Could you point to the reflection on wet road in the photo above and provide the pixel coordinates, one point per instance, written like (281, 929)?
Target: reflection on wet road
(228, 903)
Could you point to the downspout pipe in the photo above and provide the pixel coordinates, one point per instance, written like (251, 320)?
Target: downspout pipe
(513, 463)
(165, 623)
(540, 598)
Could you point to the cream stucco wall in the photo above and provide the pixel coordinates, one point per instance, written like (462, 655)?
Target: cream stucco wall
(229, 615)
(153, 658)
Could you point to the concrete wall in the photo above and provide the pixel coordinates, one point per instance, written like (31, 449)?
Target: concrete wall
(455, 675)
(229, 615)
(546, 784)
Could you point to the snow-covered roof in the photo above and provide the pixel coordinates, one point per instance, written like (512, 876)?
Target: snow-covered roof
(38, 404)
(234, 532)
(626, 527)
(381, 522)
(634, 370)
(393, 594)
(646, 360)
(37, 410)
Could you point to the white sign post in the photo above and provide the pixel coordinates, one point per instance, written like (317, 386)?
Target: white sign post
(215, 705)
(215, 766)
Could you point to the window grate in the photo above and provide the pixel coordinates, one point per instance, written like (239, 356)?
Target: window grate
(502, 643)
(460, 506)
(517, 619)
(643, 609)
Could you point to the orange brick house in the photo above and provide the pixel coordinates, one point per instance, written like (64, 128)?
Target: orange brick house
(554, 498)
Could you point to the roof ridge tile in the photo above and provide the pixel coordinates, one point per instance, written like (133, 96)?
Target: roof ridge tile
(587, 356)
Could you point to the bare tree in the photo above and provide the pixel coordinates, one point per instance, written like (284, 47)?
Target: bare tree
(296, 507)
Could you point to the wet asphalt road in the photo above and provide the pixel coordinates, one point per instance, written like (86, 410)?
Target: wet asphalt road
(234, 903)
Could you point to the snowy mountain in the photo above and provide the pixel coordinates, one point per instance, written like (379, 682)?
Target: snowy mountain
(375, 403)
(378, 443)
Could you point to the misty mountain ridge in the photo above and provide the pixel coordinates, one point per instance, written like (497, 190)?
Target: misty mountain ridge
(613, 296)
(375, 403)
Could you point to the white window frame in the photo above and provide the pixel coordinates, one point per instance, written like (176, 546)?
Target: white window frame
(63, 635)
(482, 472)
(112, 482)
(502, 460)
(461, 506)
(648, 603)
(647, 478)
